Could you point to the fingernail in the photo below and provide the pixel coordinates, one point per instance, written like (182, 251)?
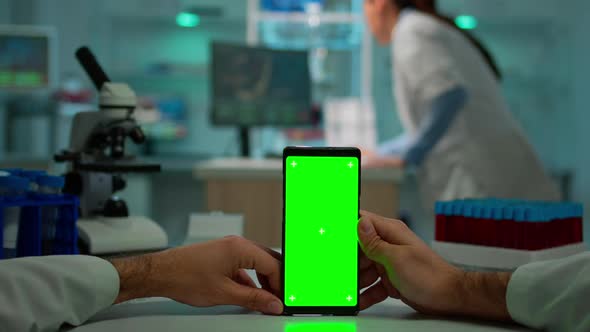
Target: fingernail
(366, 226)
(275, 307)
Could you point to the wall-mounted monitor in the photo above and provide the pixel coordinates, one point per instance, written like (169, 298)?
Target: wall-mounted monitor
(28, 58)
(255, 86)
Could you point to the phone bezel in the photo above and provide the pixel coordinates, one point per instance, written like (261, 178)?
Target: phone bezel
(317, 152)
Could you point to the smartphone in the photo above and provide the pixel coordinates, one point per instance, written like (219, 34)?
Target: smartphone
(321, 195)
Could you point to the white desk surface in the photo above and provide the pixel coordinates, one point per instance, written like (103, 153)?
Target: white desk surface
(169, 316)
(238, 168)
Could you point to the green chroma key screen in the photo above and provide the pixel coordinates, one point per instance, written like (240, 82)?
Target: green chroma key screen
(321, 215)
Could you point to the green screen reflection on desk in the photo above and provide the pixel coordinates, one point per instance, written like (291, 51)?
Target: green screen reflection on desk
(315, 326)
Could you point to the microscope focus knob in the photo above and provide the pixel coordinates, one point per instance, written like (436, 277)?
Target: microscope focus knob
(115, 208)
(118, 183)
(137, 135)
(118, 142)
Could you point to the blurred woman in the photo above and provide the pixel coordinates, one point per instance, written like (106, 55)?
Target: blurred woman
(459, 134)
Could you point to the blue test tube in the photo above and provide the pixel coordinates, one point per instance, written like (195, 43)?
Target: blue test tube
(12, 191)
(49, 187)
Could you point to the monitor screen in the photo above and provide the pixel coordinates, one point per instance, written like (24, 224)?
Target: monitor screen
(25, 57)
(260, 87)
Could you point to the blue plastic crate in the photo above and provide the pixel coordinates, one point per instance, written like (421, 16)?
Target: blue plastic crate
(29, 241)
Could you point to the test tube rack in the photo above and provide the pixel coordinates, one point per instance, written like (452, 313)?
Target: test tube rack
(504, 234)
(30, 237)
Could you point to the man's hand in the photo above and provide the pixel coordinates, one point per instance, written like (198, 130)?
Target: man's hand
(411, 271)
(205, 275)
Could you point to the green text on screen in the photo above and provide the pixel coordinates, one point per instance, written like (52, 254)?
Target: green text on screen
(321, 215)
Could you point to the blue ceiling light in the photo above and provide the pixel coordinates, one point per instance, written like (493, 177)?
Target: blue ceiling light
(188, 20)
(466, 22)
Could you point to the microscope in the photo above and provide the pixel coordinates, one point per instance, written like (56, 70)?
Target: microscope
(97, 162)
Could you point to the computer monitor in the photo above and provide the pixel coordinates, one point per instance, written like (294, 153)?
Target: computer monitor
(27, 57)
(254, 86)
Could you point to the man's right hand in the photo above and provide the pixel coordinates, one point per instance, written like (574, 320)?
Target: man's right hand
(411, 271)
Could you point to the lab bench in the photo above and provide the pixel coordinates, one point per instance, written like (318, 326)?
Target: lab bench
(25, 162)
(164, 315)
(254, 188)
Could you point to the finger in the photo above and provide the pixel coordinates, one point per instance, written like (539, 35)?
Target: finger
(251, 256)
(364, 261)
(368, 277)
(243, 278)
(271, 252)
(278, 256)
(392, 291)
(391, 230)
(255, 299)
(371, 243)
(263, 282)
(372, 296)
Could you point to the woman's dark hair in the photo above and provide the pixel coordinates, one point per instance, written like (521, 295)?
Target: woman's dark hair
(429, 6)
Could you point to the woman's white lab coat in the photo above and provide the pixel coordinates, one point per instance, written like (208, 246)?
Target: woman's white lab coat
(484, 153)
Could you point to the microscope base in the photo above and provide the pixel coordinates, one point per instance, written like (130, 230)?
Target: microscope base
(120, 235)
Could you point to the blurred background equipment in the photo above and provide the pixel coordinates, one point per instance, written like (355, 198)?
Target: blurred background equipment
(204, 227)
(163, 51)
(71, 98)
(27, 57)
(349, 122)
(98, 159)
(28, 72)
(254, 87)
(27, 114)
(162, 118)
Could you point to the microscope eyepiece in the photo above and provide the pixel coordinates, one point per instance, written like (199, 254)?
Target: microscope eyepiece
(92, 67)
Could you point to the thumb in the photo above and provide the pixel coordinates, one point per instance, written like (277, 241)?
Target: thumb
(371, 243)
(255, 299)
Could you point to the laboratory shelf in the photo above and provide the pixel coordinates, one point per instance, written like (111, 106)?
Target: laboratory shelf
(321, 30)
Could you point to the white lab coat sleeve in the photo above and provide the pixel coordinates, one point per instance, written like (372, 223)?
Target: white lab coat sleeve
(552, 295)
(395, 146)
(44, 293)
(425, 62)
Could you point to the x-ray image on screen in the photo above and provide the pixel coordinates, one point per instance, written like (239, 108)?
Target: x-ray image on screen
(258, 86)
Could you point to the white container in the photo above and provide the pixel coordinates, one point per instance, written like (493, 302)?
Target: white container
(474, 257)
(210, 226)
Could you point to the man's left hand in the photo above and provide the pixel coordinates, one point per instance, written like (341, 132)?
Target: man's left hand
(205, 275)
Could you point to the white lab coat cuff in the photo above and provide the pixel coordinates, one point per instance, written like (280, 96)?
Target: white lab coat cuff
(44, 293)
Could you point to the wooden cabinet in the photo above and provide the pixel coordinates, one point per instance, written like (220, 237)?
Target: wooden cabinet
(254, 188)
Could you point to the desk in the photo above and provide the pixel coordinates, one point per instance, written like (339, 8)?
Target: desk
(164, 315)
(254, 188)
